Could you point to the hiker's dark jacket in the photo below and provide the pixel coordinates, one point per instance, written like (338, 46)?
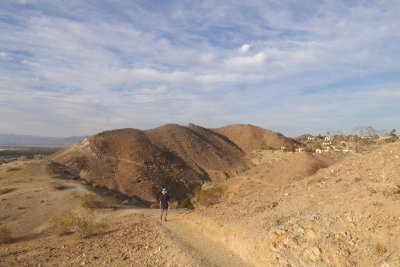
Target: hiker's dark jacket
(164, 201)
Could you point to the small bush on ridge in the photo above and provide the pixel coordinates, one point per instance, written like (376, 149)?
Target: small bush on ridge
(91, 201)
(209, 196)
(5, 234)
(57, 186)
(109, 201)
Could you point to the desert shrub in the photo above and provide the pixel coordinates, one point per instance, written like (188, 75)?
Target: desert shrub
(209, 196)
(53, 171)
(380, 249)
(57, 186)
(5, 234)
(22, 158)
(109, 201)
(267, 147)
(91, 201)
(62, 224)
(83, 224)
(186, 203)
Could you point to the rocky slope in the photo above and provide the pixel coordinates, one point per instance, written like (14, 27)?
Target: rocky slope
(139, 163)
(345, 215)
(249, 137)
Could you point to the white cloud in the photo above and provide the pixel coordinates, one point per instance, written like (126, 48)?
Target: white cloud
(141, 66)
(245, 48)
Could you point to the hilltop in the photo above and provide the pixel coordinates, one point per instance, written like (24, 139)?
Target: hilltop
(249, 137)
(139, 163)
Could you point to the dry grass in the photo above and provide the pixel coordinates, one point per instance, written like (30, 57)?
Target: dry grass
(53, 171)
(83, 224)
(209, 196)
(110, 201)
(91, 201)
(380, 249)
(5, 234)
(61, 224)
(57, 186)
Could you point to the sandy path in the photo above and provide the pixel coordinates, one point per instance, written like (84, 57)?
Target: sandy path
(202, 250)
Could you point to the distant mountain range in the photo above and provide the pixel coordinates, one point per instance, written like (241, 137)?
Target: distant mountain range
(37, 141)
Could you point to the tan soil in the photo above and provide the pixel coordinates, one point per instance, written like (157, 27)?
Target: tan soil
(249, 137)
(342, 214)
(345, 215)
(32, 201)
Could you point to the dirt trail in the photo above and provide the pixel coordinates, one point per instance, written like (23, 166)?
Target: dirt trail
(199, 248)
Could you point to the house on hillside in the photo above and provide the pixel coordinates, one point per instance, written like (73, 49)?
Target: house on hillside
(328, 138)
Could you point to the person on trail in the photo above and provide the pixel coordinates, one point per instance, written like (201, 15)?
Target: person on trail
(164, 203)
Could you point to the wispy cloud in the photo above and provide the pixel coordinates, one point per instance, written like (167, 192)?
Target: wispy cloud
(78, 67)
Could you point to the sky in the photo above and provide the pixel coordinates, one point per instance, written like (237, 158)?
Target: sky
(80, 67)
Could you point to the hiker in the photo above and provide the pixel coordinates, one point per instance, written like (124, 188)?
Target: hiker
(164, 203)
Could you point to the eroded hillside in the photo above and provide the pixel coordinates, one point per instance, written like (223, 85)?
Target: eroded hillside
(139, 163)
(249, 137)
(345, 215)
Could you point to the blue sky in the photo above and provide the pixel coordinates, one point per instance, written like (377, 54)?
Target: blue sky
(81, 67)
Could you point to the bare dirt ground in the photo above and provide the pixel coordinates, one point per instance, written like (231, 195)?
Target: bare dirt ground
(128, 236)
(27, 199)
(347, 214)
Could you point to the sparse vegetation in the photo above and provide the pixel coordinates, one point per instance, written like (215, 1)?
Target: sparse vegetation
(22, 158)
(53, 171)
(267, 147)
(61, 224)
(83, 224)
(380, 249)
(209, 196)
(186, 203)
(91, 201)
(110, 201)
(5, 234)
(57, 186)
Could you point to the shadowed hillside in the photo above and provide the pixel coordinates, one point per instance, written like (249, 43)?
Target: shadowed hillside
(140, 163)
